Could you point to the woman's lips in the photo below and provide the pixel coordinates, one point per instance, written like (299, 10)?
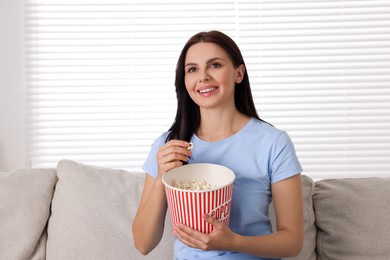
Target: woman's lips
(207, 90)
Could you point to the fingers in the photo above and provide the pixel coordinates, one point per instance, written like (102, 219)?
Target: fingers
(203, 241)
(192, 238)
(213, 221)
(173, 154)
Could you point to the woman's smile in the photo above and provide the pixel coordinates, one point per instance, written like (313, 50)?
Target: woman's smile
(207, 90)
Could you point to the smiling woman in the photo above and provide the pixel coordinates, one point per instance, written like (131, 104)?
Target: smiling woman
(99, 77)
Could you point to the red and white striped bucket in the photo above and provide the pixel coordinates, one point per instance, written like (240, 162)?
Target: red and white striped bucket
(188, 206)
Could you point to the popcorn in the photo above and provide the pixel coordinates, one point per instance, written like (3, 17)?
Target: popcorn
(194, 185)
(191, 146)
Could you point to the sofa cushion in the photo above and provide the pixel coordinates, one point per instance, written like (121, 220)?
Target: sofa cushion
(308, 251)
(352, 217)
(92, 214)
(25, 197)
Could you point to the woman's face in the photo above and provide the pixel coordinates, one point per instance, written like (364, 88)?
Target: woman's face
(210, 77)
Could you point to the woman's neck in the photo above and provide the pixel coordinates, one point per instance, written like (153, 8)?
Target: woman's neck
(219, 125)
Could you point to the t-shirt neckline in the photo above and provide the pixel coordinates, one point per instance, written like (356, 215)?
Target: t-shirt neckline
(240, 132)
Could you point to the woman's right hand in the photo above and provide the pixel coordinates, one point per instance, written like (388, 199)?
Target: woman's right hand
(148, 223)
(172, 155)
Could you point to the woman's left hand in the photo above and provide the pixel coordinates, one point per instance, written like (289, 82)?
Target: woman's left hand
(221, 238)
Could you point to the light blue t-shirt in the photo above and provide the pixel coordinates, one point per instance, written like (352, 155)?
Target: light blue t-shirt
(260, 155)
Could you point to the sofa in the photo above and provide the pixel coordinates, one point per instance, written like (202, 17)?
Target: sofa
(79, 211)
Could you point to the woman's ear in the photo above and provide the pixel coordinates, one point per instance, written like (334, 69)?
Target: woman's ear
(240, 73)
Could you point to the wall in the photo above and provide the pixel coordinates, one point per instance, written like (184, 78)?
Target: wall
(12, 93)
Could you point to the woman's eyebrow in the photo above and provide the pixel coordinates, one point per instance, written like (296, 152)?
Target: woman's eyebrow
(213, 59)
(207, 62)
(190, 64)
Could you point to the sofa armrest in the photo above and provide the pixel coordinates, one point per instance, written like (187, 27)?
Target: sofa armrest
(25, 197)
(353, 218)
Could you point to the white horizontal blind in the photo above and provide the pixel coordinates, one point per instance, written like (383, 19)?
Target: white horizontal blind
(324, 75)
(100, 77)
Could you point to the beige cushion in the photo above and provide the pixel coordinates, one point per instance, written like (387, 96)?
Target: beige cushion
(353, 218)
(308, 251)
(25, 197)
(92, 213)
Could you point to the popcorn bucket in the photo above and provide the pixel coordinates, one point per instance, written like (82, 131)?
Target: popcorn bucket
(188, 206)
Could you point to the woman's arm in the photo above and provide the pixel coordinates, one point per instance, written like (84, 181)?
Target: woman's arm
(148, 224)
(287, 241)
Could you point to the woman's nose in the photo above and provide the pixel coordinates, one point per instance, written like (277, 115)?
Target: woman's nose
(204, 77)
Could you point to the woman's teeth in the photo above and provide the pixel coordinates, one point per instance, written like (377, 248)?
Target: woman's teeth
(206, 90)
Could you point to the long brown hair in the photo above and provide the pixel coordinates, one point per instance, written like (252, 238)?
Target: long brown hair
(187, 118)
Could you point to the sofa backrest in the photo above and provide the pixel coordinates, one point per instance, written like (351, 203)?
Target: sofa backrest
(92, 212)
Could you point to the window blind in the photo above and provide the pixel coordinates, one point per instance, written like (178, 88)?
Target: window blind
(100, 77)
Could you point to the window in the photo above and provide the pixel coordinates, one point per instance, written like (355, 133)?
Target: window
(100, 77)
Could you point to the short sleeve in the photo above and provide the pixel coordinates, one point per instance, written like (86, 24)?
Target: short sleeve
(150, 166)
(284, 160)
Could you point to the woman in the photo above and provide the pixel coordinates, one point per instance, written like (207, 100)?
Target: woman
(216, 113)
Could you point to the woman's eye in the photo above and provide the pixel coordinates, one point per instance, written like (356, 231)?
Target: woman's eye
(215, 65)
(191, 70)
